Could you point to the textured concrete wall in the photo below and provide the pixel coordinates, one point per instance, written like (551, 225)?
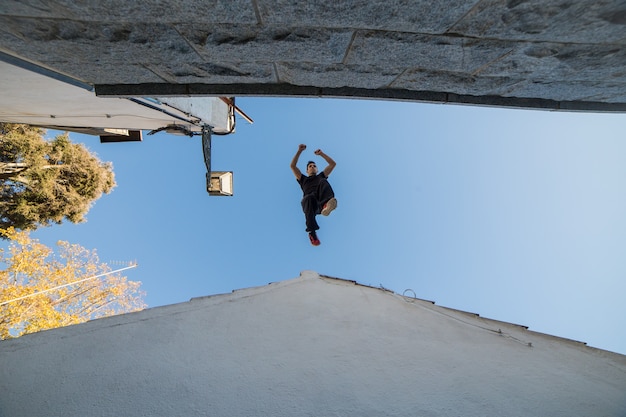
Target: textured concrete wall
(556, 54)
(306, 347)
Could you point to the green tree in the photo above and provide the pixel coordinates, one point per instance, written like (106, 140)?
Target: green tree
(41, 289)
(45, 181)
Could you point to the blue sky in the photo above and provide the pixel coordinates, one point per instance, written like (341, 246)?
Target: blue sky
(516, 215)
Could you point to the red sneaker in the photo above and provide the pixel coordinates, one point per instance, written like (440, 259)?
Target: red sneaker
(313, 238)
(329, 206)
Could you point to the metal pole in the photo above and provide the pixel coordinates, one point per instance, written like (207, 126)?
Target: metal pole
(206, 147)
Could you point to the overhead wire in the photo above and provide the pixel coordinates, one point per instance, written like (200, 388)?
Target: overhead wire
(67, 285)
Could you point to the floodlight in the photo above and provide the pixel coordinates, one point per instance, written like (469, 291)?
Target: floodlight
(219, 183)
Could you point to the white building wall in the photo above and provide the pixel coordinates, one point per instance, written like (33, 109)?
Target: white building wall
(311, 346)
(41, 100)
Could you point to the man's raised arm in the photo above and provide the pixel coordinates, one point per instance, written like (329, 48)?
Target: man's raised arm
(294, 161)
(329, 160)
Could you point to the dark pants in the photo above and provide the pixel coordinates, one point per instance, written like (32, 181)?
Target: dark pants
(313, 203)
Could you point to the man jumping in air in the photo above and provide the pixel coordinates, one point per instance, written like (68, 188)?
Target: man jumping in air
(318, 196)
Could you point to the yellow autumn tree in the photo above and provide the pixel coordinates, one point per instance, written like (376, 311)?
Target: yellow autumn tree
(38, 277)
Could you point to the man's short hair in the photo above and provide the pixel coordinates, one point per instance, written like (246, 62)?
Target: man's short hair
(310, 162)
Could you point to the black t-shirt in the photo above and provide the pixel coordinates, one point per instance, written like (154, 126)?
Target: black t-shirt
(310, 185)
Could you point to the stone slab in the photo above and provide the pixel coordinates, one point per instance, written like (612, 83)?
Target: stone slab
(124, 11)
(551, 61)
(410, 51)
(245, 43)
(335, 75)
(452, 82)
(568, 90)
(223, 73)
(48, 40)
(417, 16)
(584, 21)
